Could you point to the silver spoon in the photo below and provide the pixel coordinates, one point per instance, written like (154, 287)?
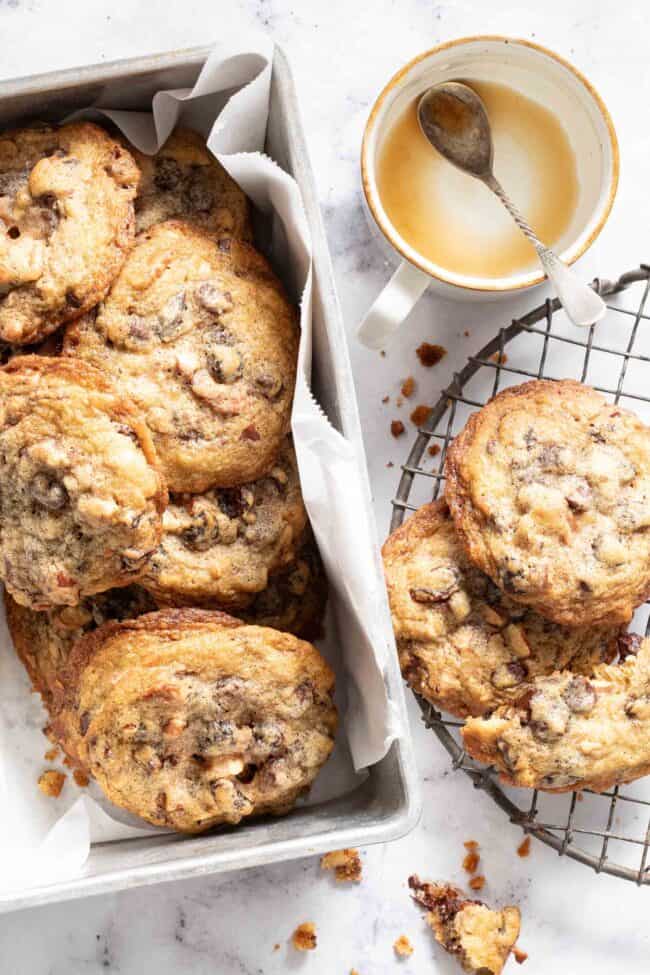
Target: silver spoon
(455, 121)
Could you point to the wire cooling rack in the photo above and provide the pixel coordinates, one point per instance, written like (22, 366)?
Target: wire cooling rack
(609, 831)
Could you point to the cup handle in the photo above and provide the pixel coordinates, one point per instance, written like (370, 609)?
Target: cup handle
(392, 306)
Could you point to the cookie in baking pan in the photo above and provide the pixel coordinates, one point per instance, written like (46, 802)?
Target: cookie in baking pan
(463, 645)
(570, 732)
(201, 335)
(184, 180)
(190, 718)
(220, 546)
(43, 640)
(549, 489)
(66, 210)
(295, 598)
(81, 496)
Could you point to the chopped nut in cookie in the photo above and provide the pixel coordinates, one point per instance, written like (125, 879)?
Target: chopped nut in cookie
(304, 937)
(346, 864)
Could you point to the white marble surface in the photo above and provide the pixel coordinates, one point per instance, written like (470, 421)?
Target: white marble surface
(342, 52)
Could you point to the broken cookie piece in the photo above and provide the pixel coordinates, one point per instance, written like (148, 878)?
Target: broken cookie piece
(480, 937)
(346, 865)
(51, 783)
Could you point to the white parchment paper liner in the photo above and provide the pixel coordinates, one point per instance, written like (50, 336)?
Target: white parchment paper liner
(43, 840)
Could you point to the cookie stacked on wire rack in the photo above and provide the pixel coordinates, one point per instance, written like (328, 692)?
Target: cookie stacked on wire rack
(160, 573)
(512, 593)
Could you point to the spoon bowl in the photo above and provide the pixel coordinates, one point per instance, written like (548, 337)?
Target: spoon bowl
(455, 121)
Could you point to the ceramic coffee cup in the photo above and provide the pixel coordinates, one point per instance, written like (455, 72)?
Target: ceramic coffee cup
(535, 72)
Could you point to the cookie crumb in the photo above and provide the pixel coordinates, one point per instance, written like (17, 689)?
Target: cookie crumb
(390, 464)
(520, 956)
(276, 946)
(51, 754)
(51, 783)
(383, 353)
(80, 778)
(385, 399)
(471, 844)
(304, 937)
(420, 414)
(478, 882)
(471, 861)
(408, 387)
(346, 865)
(466, 333)
(397, 428)
(523, 850)
(499, 357)
(430, 355)
(403, 947)
(434, 450)
(480, 937)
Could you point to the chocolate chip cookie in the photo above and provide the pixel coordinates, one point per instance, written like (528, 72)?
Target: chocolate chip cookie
(190, 718)
(200, 334)
(549, 489)
(184, 180)
(570, 732)
(66, 224)
(43, 641)
(219, 547)
(463, 644)
(295, 598)
(82, 497)
(480, 937)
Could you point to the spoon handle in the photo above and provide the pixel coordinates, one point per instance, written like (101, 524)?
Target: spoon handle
(581, 303)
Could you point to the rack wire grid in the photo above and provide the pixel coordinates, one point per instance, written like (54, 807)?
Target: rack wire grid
(608, 831)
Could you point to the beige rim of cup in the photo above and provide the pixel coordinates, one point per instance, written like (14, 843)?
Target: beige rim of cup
(385, 226)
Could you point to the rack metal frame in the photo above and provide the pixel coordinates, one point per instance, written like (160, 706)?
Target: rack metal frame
(563, 831)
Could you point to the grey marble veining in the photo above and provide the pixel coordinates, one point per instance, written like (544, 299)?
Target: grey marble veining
(342, 53)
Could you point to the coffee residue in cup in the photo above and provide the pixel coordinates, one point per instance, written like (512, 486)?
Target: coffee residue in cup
(455, 221)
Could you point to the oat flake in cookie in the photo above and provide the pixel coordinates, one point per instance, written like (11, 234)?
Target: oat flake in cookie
(210, 720)
(81, 496)
(200, 334)
(571, 732)
(184, 180)
(549, 489)
(66, 224)
(43, 640)
(464, 645)
(219, 547)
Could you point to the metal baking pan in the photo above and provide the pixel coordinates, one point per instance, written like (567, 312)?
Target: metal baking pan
(386, 806)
